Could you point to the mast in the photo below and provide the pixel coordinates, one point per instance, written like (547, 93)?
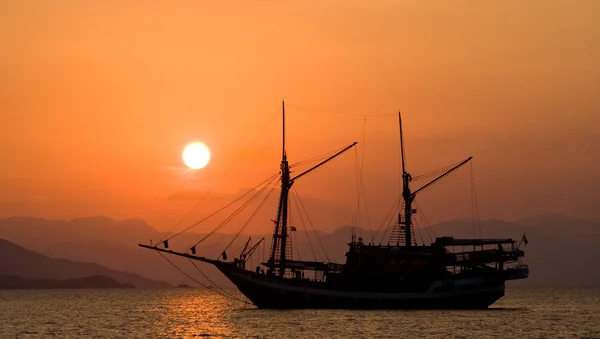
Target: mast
(283, 155)
(280, 232)
(406, 194)
(279, 245)
(283, 204)
(409, 196)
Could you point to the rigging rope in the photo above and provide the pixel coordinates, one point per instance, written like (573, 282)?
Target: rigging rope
(222, 177)
(313, 110)
(362, 185)
(264, 248)
(388, 216)
(316, 158)
(356, 216)
(237, 212)
(207, 278)
(474, 205)
(253, 215)
(312, 250)
(196, 280)
(221, 209)
(294, 236)
(234, 252)
(437, 171)
(310, 223)
(424, 217)
(419, 233)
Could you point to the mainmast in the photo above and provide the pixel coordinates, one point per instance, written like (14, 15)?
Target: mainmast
(406, 194)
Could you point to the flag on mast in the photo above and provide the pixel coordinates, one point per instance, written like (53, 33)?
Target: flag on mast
(524, 239)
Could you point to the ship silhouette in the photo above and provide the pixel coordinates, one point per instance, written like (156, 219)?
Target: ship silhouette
(448, 273)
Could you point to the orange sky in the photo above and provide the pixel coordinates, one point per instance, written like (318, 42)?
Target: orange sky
(98, 99)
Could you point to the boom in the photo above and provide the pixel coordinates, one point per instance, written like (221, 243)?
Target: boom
(323, 162)
(405, 217)
(440, 177)
(278, 256)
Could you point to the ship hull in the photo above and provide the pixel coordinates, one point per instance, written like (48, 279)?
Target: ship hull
(272, 294)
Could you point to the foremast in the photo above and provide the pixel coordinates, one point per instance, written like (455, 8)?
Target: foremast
(279, 246)
(279, 243)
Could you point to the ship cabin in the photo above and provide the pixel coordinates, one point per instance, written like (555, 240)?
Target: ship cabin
(467, 256)
(445, 258)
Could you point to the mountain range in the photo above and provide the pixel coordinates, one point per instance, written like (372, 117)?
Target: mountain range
(27, 269)
(561, 250)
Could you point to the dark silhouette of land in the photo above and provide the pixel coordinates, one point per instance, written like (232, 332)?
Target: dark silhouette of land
(562, 251)
(35, 269)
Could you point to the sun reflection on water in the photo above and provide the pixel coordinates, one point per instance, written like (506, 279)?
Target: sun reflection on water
(194, 313)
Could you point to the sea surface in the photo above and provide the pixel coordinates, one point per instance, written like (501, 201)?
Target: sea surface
(533, 312)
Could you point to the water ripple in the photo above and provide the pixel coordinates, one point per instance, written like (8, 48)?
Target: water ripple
(523, 313)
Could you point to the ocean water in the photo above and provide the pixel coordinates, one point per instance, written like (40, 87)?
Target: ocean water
(533, 312)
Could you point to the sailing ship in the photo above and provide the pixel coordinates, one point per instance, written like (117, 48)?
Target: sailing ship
(400, 275)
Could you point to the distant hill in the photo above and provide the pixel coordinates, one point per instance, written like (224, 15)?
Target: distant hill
(111, 243)
(19, 261)
(561, 250)
(95, 281)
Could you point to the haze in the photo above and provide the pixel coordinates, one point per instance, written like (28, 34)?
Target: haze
(98, 99)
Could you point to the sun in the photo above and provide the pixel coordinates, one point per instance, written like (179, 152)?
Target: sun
(196, 155)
